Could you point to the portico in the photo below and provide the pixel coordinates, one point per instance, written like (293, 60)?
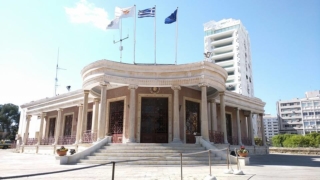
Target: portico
(144, 103)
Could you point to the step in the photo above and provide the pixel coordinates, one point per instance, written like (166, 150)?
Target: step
(153, 162)
(112, 158)
(155, 147)
(147, 154)
(151, 150)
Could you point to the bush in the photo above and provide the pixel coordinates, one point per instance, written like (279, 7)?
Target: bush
(298, 141)
(258, 141)
(278, 140)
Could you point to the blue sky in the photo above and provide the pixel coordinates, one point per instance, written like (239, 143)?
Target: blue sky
(284, 35)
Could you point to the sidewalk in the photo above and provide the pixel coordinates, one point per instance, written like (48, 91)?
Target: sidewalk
(273, 166)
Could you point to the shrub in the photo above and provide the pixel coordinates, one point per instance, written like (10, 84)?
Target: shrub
(258, 141)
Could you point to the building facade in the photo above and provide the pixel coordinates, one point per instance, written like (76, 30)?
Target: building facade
(228, 42)
(300, 115)
(271, 126)
(142, 104)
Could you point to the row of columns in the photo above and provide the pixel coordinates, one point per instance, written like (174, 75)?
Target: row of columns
(99, 120)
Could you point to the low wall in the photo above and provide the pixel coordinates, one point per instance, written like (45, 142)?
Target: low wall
(254, 150)
(311, 151)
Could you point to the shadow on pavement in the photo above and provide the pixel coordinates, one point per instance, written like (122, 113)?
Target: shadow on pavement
(285, 160)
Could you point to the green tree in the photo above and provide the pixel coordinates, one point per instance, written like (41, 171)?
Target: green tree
(9, 120)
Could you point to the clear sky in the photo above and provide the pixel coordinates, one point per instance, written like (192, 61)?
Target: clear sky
(284, 35)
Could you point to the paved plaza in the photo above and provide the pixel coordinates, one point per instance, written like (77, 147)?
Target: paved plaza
(273, 166)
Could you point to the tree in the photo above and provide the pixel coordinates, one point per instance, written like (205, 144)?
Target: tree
(9, 120)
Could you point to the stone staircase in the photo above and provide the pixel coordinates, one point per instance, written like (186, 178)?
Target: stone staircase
(144, 154)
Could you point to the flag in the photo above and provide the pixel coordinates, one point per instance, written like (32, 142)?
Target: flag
(124, 12)
(172, 18)
(114, 24)
(150, 12)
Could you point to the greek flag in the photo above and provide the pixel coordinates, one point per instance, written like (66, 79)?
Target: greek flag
(150, 12)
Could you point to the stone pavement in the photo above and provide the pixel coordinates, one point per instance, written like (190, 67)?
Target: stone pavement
(273, 166)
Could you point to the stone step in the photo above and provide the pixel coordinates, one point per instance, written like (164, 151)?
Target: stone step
(155, 158)
(154, 144)
(153, 162)
(198, 148)
(146, 154)
(150, 150)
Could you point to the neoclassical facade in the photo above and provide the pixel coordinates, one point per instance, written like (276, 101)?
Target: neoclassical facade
(143, 104)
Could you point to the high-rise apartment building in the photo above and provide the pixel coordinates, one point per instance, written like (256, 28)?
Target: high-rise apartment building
(228, 42)
(271, 126)
(300, 115)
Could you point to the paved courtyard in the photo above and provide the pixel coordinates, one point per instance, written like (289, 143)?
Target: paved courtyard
(273, 166)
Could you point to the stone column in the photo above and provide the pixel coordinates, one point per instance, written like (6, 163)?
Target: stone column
(79, 125)
(262, 130)
(58, 127)
(26, 132)
(95, 115)
(102, 113)
(176, 118)
(209, 116)
(132, 112)
(214, 115)
(239, 126)
(251, 128)
(84, 114)
(41, 128)
(204, 114)
(223, 117)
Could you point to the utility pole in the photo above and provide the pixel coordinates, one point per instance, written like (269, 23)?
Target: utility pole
(56, 79)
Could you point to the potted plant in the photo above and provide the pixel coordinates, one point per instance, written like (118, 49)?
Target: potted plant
(242, 152)
(62, 151)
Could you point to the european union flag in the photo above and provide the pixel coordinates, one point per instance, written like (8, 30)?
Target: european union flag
(172, 18)
(150, 12)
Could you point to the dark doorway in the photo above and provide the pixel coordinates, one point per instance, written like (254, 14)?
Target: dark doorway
(192, 121)
(116, 121)
(229, 128)
(154, 120)
(89, 121)
(67, 125)
(52, 125)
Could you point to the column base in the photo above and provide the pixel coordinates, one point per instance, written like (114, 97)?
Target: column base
(131, 141)
(176, 141)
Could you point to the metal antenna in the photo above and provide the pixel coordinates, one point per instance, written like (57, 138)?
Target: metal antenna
(56, 80)
(121, 39)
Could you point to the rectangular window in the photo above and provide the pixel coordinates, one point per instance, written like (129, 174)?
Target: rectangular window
(311, 113)
(305, 113)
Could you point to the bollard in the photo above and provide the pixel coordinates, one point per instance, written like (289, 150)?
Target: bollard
(181, 164)
(113, 165)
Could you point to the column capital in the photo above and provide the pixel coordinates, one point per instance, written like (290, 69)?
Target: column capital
(29, 117)
(212, 100)
(96, 99)
(202, 84)
(221, 93)
(133, 86)
(86, 91)
(80, 105)
(43, 114)
(104, 83)
(261, 114)
(237, 108)
(176, 87)
(60, 109)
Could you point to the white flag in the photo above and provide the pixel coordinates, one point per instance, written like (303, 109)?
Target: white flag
(124, 12)
(114, 24)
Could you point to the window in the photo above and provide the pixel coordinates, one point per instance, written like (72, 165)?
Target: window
(291, 104)
(311, 113)
(305, 113)
(230, 73)
(317, 113)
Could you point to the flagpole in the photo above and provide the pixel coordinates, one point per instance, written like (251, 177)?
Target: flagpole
(176, 36)
(134, 39)
(155, 36)
(120, 48)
